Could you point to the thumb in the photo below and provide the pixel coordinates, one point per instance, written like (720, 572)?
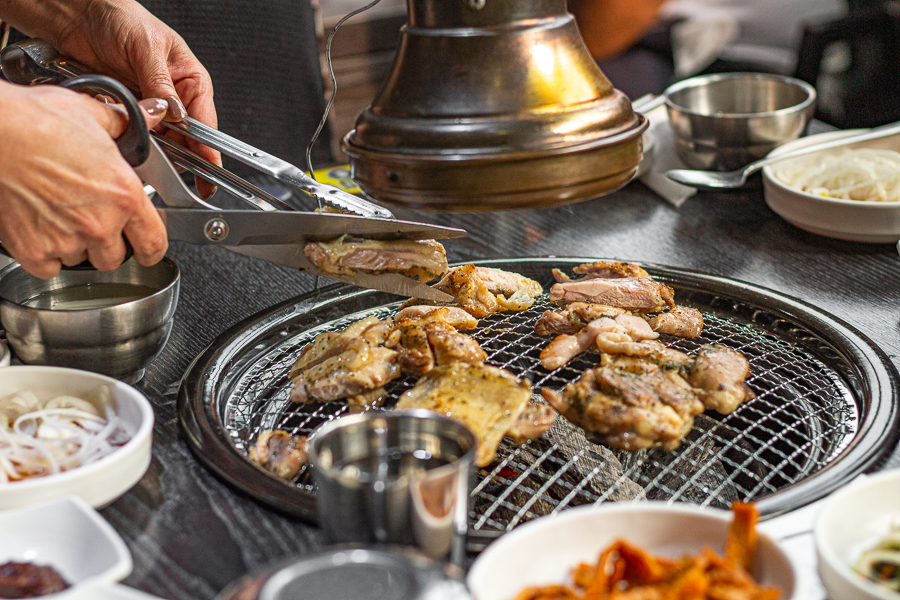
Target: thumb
(116, 118)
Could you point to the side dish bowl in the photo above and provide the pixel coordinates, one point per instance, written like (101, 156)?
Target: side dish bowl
(97, 483)
(546, 550)
(853, 520)
(68, 535)
(852, 220)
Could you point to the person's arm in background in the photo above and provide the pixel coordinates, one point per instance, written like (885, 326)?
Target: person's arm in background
(65, 192)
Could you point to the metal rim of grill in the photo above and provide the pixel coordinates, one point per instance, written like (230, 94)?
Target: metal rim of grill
(825, 409)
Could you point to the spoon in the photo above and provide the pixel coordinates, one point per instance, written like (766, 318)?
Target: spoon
(725, 180)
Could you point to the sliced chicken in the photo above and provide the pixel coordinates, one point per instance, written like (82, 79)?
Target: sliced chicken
(628, 410)
(329, 344)
(414, 354)
(487, 400)
(631, 293)
(366, 400)
(566, 347)
(280, 453)
(450, 345)
(719, 373)
(604, 269)
(573, 318)
(451, 315)
(660, 356)
(360, 368)
(680, 321)
(532, 423)
(498, 291)
(425, 259)
(513, 291)
(623, 334)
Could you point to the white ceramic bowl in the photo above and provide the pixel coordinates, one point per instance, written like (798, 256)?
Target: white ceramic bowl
(68, 535)
(856, 221)
(853, 520)
(546, 550)
(103, 481)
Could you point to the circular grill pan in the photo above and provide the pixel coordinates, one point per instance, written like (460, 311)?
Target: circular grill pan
(825, 408)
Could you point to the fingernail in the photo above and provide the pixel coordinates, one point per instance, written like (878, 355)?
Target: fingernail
(154, 106)
(176, 109)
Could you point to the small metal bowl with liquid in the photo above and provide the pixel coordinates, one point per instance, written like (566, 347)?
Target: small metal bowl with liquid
(113, 322)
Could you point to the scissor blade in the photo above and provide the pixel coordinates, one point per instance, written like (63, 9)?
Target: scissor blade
(251, 227)
(292, 256)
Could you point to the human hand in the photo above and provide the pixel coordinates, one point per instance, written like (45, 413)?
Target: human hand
(122, 39)
(66, 193)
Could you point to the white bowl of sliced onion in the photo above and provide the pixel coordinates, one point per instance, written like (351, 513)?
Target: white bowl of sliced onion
(850, 193)
(67, 431)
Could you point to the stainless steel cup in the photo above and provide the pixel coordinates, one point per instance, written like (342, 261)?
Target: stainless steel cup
(118, 340)
(725, 121)
(397, 477)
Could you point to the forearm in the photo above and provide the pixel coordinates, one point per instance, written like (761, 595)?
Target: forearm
(47, 19)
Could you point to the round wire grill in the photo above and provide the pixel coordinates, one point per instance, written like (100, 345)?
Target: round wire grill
(824, 408)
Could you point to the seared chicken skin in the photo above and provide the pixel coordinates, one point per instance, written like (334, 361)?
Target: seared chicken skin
(679, 321)
(532, 423)
(482, 291)
(605, 269)
(574, 317)
(344, 363)
(487, 400)
(623, 334)
(280, 453)
(719, 375)
(629, 410)
(425, 259)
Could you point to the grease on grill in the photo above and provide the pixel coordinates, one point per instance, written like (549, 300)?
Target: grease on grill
(802, 417)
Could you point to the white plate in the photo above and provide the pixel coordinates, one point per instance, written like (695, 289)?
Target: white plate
(853, 520)
(98, 483)
(872, 222)
(68, 535)
(546, 550)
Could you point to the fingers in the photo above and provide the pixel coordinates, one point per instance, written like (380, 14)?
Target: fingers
(108, 254)
(147, 235)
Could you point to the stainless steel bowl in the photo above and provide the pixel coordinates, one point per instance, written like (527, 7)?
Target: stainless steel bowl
(118, 339)
(724, 121)
(394, 478)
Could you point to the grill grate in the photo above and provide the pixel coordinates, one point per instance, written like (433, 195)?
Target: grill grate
(803, 417)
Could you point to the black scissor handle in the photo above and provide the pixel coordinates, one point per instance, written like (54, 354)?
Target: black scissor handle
(134, 143)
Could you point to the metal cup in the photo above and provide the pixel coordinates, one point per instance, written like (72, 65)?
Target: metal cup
(397, 477)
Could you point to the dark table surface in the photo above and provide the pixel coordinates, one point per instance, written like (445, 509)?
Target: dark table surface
(190, 534)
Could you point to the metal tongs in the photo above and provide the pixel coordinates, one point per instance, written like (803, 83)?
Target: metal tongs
(274, 235)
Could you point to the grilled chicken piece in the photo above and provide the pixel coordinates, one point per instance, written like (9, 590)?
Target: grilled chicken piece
(427, 341)
(679, 321)
(631, 293)
(629, 410)
(573, 318)
(361, 367)
(425, 259)
(414, 354)
(513, 291)
(450, 345)
(451, 315)
(330, 344)
(487, 400)
(499, 291)
(280, 452)
(370, 399)
(532, 423)
(719, 374)
(660, 355)
(605, 269)
(624, 334)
